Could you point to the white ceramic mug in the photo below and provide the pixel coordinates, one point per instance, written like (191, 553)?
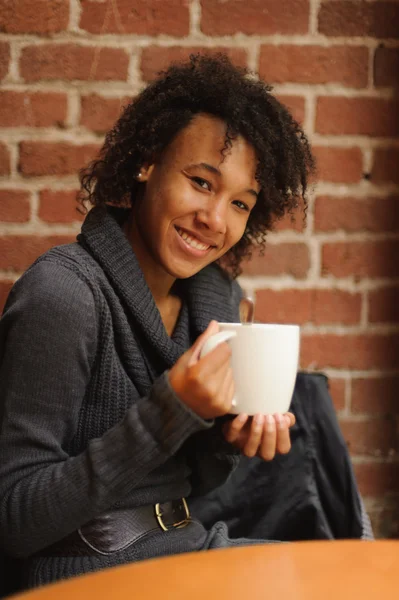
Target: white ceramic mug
(264, 362)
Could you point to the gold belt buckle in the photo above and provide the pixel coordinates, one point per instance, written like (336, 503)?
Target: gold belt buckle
(179, 524)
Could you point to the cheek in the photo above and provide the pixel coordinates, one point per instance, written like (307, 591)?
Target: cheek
(180, 202)
(156, 208)
(237, 230)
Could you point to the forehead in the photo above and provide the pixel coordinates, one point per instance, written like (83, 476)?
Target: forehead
(203, 140)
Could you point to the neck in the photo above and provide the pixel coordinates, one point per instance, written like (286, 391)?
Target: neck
(158, 280)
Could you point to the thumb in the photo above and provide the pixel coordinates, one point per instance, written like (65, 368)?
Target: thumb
(195, 350)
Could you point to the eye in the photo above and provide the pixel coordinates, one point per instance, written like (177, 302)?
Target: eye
(241, 205)
(202, 183)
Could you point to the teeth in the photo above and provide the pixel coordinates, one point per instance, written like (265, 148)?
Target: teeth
(192, 241)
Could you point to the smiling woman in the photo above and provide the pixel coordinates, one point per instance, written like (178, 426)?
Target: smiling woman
(239, 107)
(110, 420)
(195, 204)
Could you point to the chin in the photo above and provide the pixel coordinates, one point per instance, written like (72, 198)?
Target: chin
(183, 271)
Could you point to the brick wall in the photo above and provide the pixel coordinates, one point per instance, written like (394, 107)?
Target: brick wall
(68, 65)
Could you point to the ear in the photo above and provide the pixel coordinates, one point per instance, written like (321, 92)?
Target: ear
(144, 173)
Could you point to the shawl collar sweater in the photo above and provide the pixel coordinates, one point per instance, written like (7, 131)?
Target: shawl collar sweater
(88, 418)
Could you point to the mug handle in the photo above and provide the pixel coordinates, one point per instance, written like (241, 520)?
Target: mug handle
(215, 340)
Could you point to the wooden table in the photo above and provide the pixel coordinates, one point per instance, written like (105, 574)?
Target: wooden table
(337, 570)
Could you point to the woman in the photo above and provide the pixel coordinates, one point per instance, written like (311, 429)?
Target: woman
(110, 420)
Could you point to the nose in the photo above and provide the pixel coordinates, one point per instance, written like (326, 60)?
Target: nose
(214, 215)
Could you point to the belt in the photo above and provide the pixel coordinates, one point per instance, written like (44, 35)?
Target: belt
(118, 529)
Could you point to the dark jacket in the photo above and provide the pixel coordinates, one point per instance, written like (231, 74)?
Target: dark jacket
(310, 493)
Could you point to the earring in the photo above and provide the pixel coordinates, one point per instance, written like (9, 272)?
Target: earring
(139, 176)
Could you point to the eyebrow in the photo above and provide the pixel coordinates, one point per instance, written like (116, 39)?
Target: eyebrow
(216, 171)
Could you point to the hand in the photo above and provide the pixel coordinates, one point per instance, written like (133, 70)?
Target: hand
(205, 384)
(263, 435)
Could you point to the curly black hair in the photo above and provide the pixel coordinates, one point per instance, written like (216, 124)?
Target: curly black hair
(212, 85)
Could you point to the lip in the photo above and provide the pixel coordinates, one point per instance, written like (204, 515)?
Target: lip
(189, 249)
(199, 237)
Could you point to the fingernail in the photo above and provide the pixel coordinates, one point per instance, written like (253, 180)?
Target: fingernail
(242, 418)
(269, 421)
(279, 420)
(259, 419)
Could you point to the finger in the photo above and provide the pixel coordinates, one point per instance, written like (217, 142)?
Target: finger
(218, 358)
(196, 348)
(267, 448)
(255, 436)
(207, 382)
(233, 429)
(227, 389)
(290, 418)
(283, 442)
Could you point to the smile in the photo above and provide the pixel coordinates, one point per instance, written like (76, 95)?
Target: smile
(192, 245)
(192, 241)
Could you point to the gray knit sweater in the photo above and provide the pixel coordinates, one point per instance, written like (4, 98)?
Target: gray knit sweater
(88, 418)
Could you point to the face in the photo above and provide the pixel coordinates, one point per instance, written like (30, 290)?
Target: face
(195, 203)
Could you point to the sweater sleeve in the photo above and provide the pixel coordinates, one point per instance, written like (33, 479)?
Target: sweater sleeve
(48, 339)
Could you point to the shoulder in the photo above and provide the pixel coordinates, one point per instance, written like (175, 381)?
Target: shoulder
(71, 256)
(54, 284)
(50, 310)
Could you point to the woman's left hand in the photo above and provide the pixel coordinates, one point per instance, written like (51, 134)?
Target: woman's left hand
(261, 435)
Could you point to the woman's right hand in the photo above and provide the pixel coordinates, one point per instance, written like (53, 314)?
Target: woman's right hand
(205, 384)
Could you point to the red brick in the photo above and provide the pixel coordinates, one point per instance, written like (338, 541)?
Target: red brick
(375, 395)
(54, 158)
(384, 306)
(356, 214)
(155, 59)
(347, 65)
(296, 106)
(289, 259)
(151, 17)
(14, 206)
(285, 306)
(335, 306)
(338, 165)
(18, 252)
(376, 19)
(376, 479)
(39, 109)
(100, 114)
(5, 287)
(70, 62)
(386, 67)
(361, 259)
(308, 306)
(59, 206)
(4, 160)
(337, 392)
(4, 59)
(385, 166)
(375, 437)
(357, 116)
(226, 17)
(352, 351)
(34, 16)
